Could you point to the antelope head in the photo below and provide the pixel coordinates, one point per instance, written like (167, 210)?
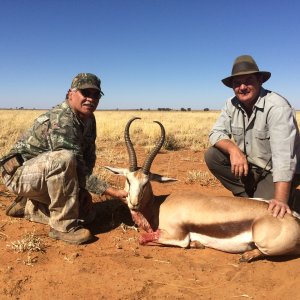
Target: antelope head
(138, 179)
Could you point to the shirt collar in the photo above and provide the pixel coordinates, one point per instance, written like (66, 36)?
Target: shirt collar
(66, 105)
(260, 103)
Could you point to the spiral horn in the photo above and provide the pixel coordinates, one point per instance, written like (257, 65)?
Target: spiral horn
(148, 161)
(129, 146)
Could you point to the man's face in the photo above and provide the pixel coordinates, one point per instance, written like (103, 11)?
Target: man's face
(247, 88)
(84, 102)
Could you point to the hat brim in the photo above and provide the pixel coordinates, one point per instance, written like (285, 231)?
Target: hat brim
(89, 86)
(228, 80)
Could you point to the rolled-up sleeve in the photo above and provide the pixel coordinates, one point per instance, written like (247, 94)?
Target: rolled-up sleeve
(222, 128)
(96, 185)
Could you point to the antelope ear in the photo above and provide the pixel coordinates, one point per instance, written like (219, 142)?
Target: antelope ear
(159, 178)
(118, 171)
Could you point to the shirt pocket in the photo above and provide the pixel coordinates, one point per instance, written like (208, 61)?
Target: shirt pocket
(238, 135)
(262, 139)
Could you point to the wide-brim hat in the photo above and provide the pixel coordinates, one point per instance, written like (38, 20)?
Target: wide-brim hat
(244, 65)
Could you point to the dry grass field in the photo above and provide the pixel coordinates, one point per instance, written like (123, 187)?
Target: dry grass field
(184, 129)
(115, 266)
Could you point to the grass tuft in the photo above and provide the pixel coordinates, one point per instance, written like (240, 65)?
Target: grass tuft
(203, 178)
(29, 242)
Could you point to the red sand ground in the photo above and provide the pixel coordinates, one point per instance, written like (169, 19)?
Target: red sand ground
(115, 266)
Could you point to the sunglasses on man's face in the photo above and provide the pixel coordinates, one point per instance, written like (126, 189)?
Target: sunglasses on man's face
(250, 80)
(93, 94)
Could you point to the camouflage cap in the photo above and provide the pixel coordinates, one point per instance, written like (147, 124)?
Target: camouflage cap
(86, 81)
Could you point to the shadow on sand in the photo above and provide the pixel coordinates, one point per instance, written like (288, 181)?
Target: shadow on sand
(110, 215)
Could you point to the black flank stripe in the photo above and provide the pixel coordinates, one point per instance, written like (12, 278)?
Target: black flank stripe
(221, 230)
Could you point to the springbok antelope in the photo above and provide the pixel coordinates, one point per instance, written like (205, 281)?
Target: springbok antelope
(191, 219)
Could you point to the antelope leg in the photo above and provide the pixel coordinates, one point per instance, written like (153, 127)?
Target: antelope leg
(248, 256)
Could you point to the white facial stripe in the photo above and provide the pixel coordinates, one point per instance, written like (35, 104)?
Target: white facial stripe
(136, 188)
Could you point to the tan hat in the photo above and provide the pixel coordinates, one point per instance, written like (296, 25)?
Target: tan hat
(244, 65)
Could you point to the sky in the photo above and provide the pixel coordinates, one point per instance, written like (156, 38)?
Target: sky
(148, 53)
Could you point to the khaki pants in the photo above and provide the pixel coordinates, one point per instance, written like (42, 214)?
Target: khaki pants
(50, 182)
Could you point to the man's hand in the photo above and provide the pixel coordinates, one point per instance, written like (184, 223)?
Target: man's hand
(121, 194)
(238, 160)
(278, 208)
(278, 205)
(239, 164)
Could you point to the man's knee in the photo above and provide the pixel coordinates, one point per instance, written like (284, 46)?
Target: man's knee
(213, 157)
(209, 156)
(66, 159)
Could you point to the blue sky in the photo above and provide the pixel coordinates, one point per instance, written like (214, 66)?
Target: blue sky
(148, 54)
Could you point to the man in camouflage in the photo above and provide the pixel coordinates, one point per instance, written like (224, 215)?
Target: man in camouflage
(50, 167)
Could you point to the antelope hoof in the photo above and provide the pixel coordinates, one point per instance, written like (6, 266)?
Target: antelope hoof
(251, 255)
(196, 245)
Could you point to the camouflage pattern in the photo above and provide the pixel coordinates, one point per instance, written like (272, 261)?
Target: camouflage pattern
(85, 81)
(50, 181)
(60, 128)
(57, 140)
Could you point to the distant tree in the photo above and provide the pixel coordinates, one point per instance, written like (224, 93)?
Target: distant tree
(182, 109)
(206, 109)
(189, 109)
(164, 109)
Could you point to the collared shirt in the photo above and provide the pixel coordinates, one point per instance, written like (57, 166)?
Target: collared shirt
(58, 129)
(269, 137)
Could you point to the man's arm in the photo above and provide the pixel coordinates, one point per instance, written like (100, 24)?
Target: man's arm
(220, 137)
(278, 205)
(121, 194)
(239, 166)
(283, 136)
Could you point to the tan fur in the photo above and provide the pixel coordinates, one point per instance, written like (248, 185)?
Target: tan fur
(224, 217)
(231, 224)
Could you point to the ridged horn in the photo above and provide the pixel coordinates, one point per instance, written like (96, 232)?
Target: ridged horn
(131, 152)
(148, 161)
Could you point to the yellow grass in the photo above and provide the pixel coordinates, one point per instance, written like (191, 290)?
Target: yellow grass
(184, 129)
(187, 130)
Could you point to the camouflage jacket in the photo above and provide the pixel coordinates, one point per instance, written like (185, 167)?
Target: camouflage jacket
(58, 129)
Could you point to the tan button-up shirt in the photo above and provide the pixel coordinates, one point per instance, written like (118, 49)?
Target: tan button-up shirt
(269, 137)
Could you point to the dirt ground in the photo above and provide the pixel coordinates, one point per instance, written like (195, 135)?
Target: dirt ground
(115, 266)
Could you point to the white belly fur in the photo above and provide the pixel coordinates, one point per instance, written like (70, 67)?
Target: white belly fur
(237, 244)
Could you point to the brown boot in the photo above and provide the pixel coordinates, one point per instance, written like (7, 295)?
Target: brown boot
(17, 207)
(77, 235)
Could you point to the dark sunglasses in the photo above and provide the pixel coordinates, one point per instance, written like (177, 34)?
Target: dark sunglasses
(93, 94)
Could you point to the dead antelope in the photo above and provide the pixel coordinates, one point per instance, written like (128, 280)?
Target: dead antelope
(191, 219)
